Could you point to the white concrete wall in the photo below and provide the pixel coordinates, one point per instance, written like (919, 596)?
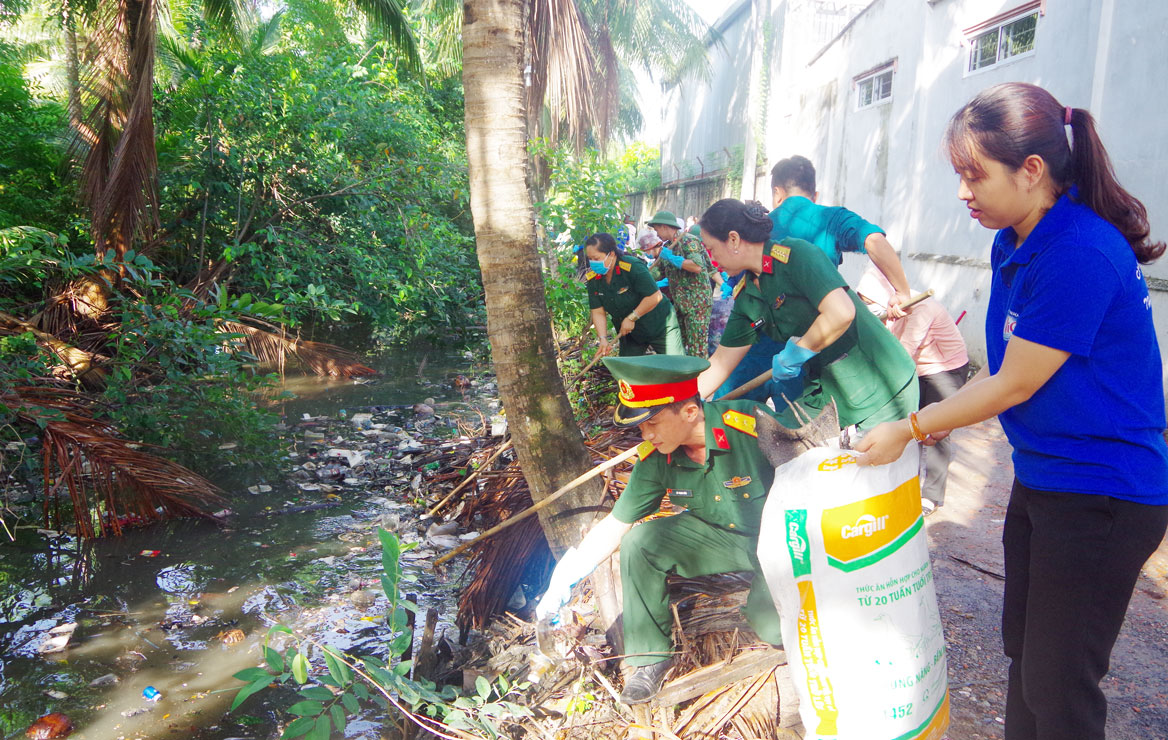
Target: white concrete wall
(886, 164)
(703, 120)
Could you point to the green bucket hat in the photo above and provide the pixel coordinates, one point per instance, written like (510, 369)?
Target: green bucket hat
(665, 218)
(652, 382)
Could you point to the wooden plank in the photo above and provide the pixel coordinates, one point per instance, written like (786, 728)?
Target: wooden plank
(716, 675)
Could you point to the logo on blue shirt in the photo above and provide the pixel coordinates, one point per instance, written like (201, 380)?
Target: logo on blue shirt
(1011, 324)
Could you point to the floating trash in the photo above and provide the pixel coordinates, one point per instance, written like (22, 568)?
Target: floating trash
(49, 727)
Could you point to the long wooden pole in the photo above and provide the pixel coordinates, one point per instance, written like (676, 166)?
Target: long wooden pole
(583, 477)
(750, 385)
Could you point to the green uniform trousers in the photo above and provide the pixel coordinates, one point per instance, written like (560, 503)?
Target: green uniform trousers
(666, 343)
(689, 547)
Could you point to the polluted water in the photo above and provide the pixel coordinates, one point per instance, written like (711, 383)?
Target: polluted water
(138, 636)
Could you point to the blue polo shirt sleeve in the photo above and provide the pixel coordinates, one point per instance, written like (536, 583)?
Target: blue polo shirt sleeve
(849, 230)
(1069, 292)
(642, 496)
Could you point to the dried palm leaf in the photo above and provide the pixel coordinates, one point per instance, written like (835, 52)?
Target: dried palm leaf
(76, 363)
(119, 172)
(274, 348)
(562, 67)
(111, 483)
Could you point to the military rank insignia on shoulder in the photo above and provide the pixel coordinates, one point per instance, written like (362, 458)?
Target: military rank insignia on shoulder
(781, 253)
(738, 288)
(739, 421)
(645, 449)
(625, 266)
(589, 275)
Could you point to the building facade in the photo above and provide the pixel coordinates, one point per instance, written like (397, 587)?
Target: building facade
(870, 104)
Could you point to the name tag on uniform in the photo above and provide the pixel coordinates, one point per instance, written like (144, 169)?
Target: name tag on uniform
(756, 325)
(679, 492)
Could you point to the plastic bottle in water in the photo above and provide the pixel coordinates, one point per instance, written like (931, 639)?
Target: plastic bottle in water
(151, 694)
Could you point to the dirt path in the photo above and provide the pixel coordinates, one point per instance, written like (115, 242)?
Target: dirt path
(965, 538)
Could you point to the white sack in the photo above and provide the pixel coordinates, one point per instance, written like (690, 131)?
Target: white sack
(844, 553)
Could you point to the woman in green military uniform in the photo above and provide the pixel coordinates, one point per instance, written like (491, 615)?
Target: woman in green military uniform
(624, 289)
(684, 262)
(834, 348)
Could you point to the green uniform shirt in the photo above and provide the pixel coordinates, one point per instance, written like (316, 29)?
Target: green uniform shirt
(833, 229)
(862, 370)
(631, 283)
(728, 491)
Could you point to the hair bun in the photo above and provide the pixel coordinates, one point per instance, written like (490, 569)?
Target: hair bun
(756, 212)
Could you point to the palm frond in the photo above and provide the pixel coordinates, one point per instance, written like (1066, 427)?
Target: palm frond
(119, 174)
(562, 67)
(225, 16)
(390, 21)
(75, 363)
(266, 35)
(440, 31)
(110, 482)
(274, 348)
(179, 59)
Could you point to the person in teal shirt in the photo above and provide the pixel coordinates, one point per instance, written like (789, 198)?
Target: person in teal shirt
(835, 230)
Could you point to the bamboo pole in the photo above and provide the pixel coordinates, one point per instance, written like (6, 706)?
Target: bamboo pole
(582, 478)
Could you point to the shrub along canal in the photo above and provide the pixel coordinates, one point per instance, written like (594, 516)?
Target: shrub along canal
(87, 626)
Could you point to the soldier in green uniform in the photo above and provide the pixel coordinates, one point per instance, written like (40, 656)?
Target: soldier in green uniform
(832, 346)
(684, 262)
(707, 458)
(624, 289)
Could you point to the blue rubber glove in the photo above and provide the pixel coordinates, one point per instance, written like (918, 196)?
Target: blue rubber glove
(673, 259)
(727, 288)
(788, 363)
(663, 282)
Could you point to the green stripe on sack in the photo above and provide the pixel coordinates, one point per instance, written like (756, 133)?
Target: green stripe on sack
(880, 554)
(797, 543)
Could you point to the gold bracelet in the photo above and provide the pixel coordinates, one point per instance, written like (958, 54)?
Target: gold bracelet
(915, 428)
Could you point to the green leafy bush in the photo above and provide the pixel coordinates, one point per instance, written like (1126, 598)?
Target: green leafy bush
(344, 682)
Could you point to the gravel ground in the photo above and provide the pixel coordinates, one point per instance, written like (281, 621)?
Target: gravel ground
(965, 539)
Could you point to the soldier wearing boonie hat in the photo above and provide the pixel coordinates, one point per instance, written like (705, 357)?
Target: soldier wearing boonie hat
(684, 262)
(706, 457)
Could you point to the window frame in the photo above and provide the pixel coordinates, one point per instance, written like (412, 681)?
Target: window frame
(998, 24)
(871, 76)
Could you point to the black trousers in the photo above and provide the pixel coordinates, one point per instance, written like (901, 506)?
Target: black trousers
(934, 388)
(1072, 561)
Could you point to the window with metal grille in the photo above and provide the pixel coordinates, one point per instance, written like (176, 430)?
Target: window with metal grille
(1013, 38)
(873, 89)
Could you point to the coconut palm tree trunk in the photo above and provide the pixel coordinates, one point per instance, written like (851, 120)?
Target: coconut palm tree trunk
(547, 440)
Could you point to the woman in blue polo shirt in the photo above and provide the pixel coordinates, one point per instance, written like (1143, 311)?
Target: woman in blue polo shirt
(1074, 375)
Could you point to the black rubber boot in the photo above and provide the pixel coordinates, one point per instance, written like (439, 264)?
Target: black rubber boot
(645, 682)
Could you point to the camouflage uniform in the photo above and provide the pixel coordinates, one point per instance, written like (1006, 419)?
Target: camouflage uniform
(690, 291)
